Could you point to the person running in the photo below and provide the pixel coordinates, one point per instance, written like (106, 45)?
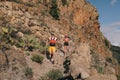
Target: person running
(52, 47)
(66, 44)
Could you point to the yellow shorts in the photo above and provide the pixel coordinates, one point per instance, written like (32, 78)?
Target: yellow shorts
(52, 49)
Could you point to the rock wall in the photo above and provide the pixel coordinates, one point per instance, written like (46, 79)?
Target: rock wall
(89, 52)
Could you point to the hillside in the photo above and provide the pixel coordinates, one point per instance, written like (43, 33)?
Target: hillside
(25, 27)
(116, 52)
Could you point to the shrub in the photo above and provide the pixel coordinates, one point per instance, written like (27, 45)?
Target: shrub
(5, 30)
(6, 35)
(31, 43)
(28, 72)
(54, 11)
(20, 43)
(54, 74)
(37, 58)
(27, 53)
(43, 47)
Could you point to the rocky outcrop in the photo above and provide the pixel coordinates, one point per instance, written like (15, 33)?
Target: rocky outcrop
(12, 65)
(26, 25)
(80, 62)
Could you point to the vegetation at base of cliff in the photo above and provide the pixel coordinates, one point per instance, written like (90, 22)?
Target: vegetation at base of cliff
(54, 11)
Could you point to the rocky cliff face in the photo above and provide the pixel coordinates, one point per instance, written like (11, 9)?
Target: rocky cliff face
(26, 25)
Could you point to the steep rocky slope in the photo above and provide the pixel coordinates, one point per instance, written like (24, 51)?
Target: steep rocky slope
(24, 30)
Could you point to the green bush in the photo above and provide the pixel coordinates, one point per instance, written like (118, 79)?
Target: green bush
(37, 58)
(43, 47)
(20, 43)
(31, 43)
(54, 74)
(28, 72)
(54, 11)
(27, 53)
(6, 35)
(28, 42)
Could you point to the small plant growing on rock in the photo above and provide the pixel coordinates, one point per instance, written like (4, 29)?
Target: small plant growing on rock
(37, 58)
(28, 72)
(31, 43)
(27, 53)
(43, 47)
(20, 43)
(54, 74)
(7, 35)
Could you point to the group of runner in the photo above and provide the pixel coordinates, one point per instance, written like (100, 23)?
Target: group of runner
(52, 46)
